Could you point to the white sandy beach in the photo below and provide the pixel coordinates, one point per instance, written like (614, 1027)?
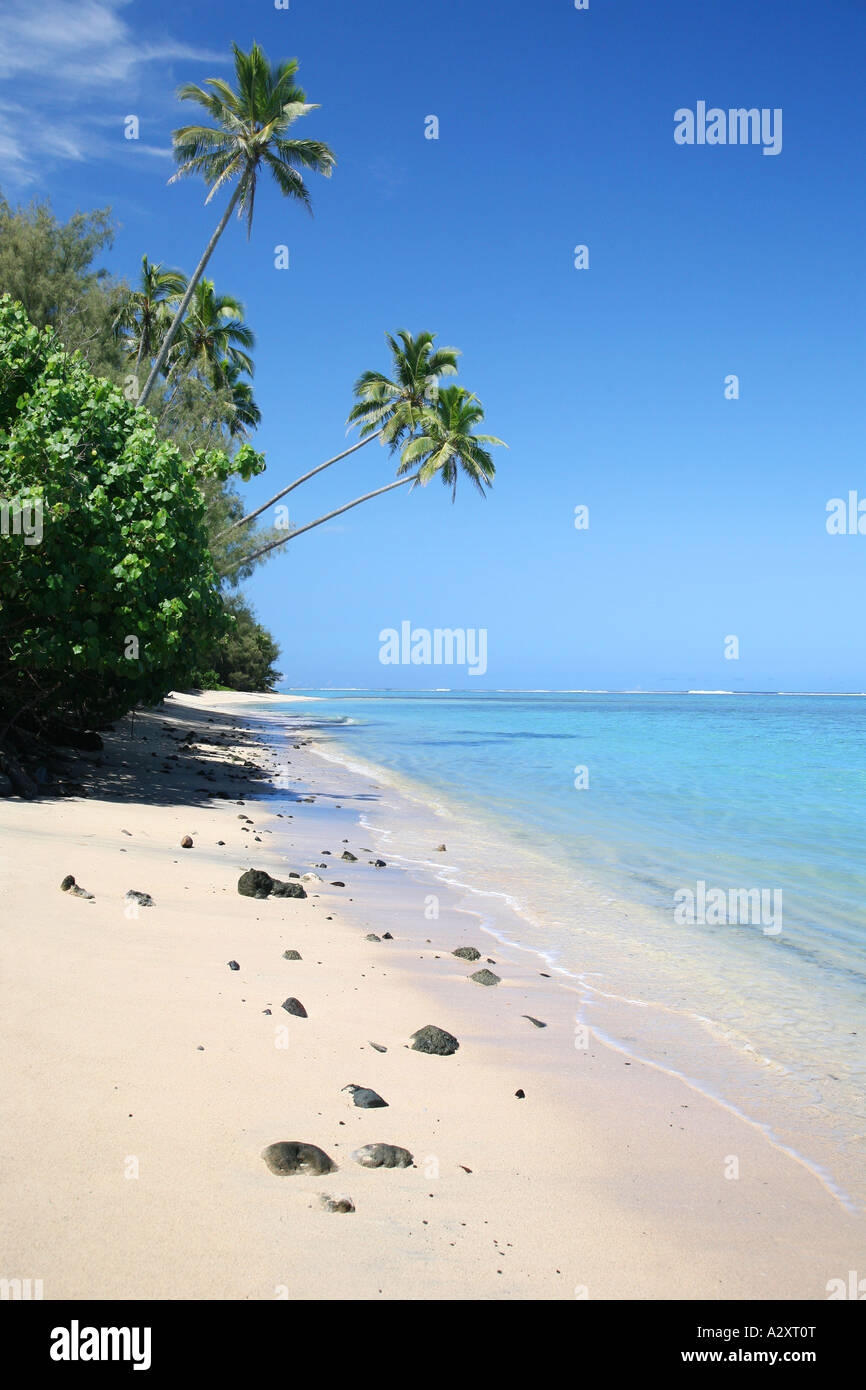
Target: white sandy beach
(144, 1077)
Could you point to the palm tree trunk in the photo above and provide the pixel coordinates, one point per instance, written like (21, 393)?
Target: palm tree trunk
(250, 516)
(293, 535)
(140, 353)
(184, 303)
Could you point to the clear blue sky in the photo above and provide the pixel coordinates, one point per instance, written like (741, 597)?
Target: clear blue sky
(707, 516)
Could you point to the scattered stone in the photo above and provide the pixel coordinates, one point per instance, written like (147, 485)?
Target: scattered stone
(536, 1021)
(434, 1040)
(383, 1156)
(291, 955)
(440, 849)
(364, 1098)
(68, 885)
(337, 883)
(233, 965)
(220, 842)
(143, 899)
(343, 1204)
(371, 936)
(310, 878)
(289, 1157)
(350, 858)
(294, 1006)
(186, 842)
(378, 863)
(467, 953)
(378, 1046)
(386, 936)
(521, 1095)
(463, 1166)
(485, 977)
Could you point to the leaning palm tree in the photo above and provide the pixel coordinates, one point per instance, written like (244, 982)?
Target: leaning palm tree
(143, 317)
(387, 408)
(250, 132)
(445, 444)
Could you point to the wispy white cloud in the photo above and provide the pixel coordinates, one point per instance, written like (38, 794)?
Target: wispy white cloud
(68, 61)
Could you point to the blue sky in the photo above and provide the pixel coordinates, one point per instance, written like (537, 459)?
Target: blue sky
(556, 128)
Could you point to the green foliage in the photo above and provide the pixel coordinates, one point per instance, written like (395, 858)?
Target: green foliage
(118, 601)
(48, 267)
(244, 659)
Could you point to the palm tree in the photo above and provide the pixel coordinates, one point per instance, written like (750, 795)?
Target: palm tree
(242, 414)
(387, 408)
(143, 316)
(447, 444)
(213, 332)
(250, 131)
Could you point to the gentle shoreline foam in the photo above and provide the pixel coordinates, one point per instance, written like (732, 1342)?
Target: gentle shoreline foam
(614, 1010)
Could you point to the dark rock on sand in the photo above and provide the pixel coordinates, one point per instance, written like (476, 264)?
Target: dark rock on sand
(350, 858)
(371, 936)
(255, 883)
(440, 849)
(68, 885)
(536, 1021)
(291, 955)
(383, 1156)
(485, 977)
(287, 1157)
(233, 965)
(434, 1040)
(467, 953)
(386, 936)
(337, 883)
(186, 842)
(521, 1095)
(294, 1006)
(378, 863)
(143, 899)
(287, 890)
(364, 1098)
(343, 1204)
(378, 1047)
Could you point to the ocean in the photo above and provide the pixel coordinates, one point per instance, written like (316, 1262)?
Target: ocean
(692, 865)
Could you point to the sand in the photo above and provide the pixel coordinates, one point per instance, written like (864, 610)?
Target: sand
(144, 1076)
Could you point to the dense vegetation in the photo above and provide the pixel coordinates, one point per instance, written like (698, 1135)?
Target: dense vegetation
(126, 411)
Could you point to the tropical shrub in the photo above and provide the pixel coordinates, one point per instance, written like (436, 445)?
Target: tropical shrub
(108, 595)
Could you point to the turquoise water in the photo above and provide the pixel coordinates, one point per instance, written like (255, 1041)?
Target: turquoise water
(766, 792)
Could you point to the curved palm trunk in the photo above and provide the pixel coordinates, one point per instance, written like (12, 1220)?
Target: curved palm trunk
(184, 303)
(250, 516)
(293, 535)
